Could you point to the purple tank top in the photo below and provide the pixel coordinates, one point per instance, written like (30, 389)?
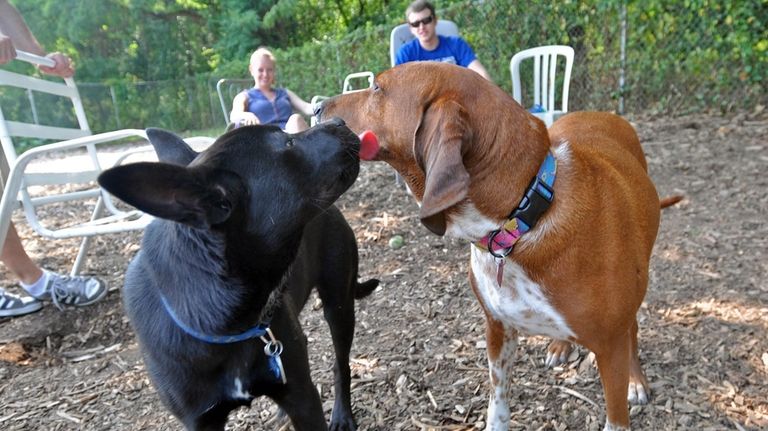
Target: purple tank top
(275, 113)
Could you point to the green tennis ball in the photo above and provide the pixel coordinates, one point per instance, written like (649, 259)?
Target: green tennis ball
(396, 242)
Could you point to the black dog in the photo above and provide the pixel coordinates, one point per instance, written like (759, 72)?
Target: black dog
(246, 229)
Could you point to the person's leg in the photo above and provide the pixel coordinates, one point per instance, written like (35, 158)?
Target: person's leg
(40, 284)
(17, 260)
(296, 124)
(47, 285)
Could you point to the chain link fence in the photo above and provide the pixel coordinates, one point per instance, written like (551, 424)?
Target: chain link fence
(632, 57)
(189, 104)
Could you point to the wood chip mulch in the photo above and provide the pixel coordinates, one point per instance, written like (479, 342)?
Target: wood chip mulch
(418, 360)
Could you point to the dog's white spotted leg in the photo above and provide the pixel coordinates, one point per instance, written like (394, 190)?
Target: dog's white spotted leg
(502, 345)
(609, 427)
(639, 392)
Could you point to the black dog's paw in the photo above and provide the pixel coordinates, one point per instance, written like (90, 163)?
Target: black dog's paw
(342, 420)
(343, 425)
(279, 420)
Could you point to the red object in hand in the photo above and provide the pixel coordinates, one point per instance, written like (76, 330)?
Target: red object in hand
(369, 145)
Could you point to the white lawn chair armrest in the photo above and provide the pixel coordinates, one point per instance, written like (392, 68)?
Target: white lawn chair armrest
(34, 59)
(16, 174)
(82, 142)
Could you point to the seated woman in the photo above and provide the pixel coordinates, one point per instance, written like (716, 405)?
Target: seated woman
(264, 104)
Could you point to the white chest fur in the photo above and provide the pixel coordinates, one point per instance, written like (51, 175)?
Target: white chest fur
(518, 302)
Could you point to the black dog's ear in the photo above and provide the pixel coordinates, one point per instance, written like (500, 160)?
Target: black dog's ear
(196, 197)
(170, 148)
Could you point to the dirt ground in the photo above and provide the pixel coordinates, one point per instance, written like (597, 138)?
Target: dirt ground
(419, 354)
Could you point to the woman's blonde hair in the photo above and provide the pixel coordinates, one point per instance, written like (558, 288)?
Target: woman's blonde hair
(262, 52)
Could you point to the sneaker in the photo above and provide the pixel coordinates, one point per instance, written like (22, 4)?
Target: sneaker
(14, 305)
(72, 290)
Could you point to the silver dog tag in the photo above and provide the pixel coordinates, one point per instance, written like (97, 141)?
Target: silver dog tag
(273, 348)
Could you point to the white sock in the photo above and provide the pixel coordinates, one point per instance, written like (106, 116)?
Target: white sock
(37, 288)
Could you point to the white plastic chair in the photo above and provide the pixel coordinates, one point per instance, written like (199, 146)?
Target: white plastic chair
(227, 89)
(66, 171)
(346, 87)
(402, 34)
(544, 79)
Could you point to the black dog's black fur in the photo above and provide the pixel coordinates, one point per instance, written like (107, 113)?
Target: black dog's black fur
(251, 216)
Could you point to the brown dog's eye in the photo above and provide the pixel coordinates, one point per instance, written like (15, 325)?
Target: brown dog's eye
(375, 87)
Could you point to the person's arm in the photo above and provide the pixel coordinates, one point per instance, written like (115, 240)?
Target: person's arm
(402, 55)
(239, 114)
(299, 105)
(13, 26)
(467, 58)
(14, 34)
(479, 68)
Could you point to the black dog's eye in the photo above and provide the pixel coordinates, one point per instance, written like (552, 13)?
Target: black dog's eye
(289, 143)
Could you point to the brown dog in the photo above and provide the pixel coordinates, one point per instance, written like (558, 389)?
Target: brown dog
(468, 153)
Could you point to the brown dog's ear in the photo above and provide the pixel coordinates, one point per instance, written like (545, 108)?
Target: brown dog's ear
(438, 149)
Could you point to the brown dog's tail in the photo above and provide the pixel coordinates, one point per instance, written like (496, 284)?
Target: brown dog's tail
(669, 201)
(365, 288)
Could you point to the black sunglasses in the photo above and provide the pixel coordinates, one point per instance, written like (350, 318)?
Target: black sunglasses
(425, 21)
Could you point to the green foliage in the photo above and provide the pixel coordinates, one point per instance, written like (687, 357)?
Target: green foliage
(157, 61)
(130, 40)
(712, 49)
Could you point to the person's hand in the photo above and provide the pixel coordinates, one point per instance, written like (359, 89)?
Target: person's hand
(63, 67)
(7, 51)
(248, 119)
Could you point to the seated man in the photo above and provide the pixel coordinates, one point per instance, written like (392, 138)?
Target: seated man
(264, 104)
(428, 45)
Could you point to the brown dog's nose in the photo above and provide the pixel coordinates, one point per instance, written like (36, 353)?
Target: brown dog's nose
(318, 111)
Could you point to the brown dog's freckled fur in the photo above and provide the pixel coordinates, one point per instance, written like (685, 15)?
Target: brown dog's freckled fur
(492, 194)
(588, 256)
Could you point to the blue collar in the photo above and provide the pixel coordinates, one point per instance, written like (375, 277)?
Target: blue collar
(273, 348)
(537, 199)
(538, 195)
(257, 331)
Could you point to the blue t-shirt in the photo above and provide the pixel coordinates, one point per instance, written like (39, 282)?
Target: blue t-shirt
(450, 49)
(276, 112)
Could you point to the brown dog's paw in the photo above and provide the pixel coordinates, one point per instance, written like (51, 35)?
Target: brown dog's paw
(639, 392)
(557, 353)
